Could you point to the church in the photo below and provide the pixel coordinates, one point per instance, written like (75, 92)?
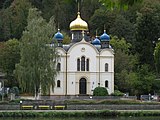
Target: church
(84, 64)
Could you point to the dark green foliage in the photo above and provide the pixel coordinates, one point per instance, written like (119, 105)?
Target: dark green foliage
(15, 90)
(13, 19)
(144, 79)
(117, 93)
(101, 20)
(7, 3)
(147, 31)
(10, 55)
(38, 58)
(100, 91)
(157, 58)
(123, 28)
(100, 113)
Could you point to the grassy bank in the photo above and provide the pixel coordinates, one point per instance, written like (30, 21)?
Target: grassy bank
(99, 113)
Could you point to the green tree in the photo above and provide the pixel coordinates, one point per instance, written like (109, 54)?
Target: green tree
(142, 84)
(10, 55)
(66, 39)
(147, 31)
(157, 58)
(13, 19)
(123, 28)
(125, 64)
(100, 19)
(37, 67)
(119, 4)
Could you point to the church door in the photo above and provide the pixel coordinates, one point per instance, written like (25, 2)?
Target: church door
(82, 86)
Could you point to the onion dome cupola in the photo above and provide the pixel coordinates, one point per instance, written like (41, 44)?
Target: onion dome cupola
(78, 24)
(96, 42)
(105, 38)
(76, 27)
(59, 37)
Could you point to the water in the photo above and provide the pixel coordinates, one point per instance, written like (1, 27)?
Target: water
(86, 118)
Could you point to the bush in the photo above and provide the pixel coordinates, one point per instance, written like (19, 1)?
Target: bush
(100, 91)
(117, 93)
(15, 90)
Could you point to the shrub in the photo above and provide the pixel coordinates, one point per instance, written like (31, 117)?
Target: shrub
(15, 90)
(100, 91)
(117, 93)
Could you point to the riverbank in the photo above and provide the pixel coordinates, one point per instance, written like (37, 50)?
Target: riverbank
(78, 113)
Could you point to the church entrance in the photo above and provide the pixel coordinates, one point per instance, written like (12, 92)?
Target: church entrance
(82, 86)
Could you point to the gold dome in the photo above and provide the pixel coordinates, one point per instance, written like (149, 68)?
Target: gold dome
(78, 24)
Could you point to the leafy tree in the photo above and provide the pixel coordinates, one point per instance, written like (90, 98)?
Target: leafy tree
(119, 4)
(117, 93)
(1, 3)
(123, 28)
(125, 64)
(36, 69)
(157, 58)
(10, 55)
(147, 31)
(100, 19)
(14, 19)
(142, 84)
(7, 3)
(88, 8)
(100, 91)
(120, 44)
(62, 10)
(15, 90)
(66, 39)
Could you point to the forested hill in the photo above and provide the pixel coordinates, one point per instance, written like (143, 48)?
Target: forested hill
(134, 26)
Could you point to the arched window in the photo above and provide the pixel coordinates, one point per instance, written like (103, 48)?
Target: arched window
(106, 67)
(78, 64)
(87, 65)
(82, 63)
(58, 83)
(106, 83)
(59, 67)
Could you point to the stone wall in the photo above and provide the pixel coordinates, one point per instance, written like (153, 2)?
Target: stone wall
(95, 107)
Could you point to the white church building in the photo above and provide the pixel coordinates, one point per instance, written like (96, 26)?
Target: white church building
(84, 64)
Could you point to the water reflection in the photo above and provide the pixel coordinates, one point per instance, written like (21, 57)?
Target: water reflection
(87, 118)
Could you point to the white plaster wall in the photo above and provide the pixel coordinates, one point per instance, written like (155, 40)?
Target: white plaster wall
(71, 87)
(61, 75)
(110, 78)
(79, 50)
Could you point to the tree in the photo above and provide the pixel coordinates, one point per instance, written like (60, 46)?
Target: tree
(13, 19)
(100, 19)
(10, 55)
(123, 29)
(147, 31)
(142, 84)
(125, 64)
(66, 39)
(157, 58)
(119, 4)
(37, 68)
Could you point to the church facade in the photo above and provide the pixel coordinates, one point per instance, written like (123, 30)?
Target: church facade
(84, 64)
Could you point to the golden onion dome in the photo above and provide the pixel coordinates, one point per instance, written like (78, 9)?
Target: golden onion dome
(78, 24)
